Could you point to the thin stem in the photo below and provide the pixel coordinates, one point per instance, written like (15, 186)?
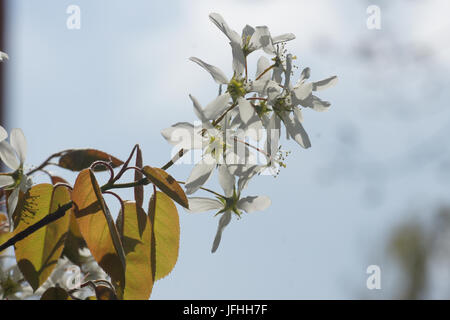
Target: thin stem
(125, 165)
(48, 161)
(265, 71)
(253, 147)
(215, 122)
(257, 98)
(205, 189)
(141, 182)
(59, 213)
(246, 71)
(174, 159)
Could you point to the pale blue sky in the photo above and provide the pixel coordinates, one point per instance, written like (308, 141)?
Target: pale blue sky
(378, 153)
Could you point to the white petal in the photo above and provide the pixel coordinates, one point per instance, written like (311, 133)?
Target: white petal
(19, 143)
(3, 134)
(296, 131)
(13, 199)
(276, 74)
(8, 155)
(183, 135)
(319, 105)
(298, 114)
(273, 136)
(6, 181)
(303, 90)
(245, 175)
(254, 128)
(199, 175)
(200, 204)
(223, 222)
(287, 74)
(223, 26)
(304, 75)
(226, 180)
(263, 64)
(238, 59)
(283, 38)
(3, 56)
(217, 107)
(247, 32)
(215, 72)
(246, 110)
(262, 39)
(324, 84)
(199, 112)
(256, 203)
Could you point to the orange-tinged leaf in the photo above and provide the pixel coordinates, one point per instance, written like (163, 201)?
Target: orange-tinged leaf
(167, 184)
(77, 160)
(74, 242)
(38, 253)
(166, 234)
(56, 179)
(138, 190)
(97, 227)
(137, 239)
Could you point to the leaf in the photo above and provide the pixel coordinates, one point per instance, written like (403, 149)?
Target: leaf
(38, 253)
(55, 293)
(104, 293)
(167, 184)
(77, 160)
(137, 237)
(97, 227)
(56, 179)
(74, 242)
(138, 190)
(163, 215)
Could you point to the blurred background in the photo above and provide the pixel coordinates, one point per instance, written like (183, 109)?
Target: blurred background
(372, 190)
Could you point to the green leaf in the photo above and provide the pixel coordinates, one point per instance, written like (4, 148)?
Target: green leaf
(167, 184)
(163, 215)
(77, 160)
(38, 253)
(55, 293)
(97, 227)
(137, 237)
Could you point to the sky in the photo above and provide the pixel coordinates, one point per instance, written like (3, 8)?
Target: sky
(378, 157)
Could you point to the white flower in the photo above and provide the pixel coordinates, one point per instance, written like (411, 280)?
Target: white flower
(13, 155)
(3, 56)
(228, 204)
(214, 142)
(251, 39)
(236, 90)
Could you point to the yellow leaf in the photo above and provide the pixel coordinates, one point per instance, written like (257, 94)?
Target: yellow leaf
(166, 234)
(97, 227)
(137, 239)
(38, 253)
(167, 184)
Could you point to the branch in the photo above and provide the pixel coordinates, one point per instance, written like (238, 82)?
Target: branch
(41, 223)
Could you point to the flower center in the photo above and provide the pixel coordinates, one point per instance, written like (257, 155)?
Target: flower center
(236, 88)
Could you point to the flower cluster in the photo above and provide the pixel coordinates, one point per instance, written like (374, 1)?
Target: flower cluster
(248, 110)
